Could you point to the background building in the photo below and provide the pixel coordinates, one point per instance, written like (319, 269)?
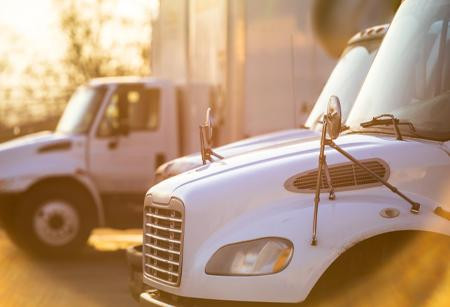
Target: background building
(263, 58)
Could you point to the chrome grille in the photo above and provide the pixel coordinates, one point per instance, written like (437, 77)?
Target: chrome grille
(163, 242)
(344, 176)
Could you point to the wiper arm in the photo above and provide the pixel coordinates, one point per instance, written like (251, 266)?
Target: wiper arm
(387, 120)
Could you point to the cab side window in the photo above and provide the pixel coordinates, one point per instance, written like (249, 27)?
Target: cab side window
(131, 108)
(143, 109)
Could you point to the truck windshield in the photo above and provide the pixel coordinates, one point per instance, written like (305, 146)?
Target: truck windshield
(410, 77)
(81, 110)
(346, 79)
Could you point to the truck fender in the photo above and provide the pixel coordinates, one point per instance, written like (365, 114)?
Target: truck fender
(371, 224)
(340, 227)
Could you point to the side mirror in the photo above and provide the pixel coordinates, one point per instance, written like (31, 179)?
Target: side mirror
(333, 117)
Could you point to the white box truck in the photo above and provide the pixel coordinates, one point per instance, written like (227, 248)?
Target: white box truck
(95, 168)
(250, 228)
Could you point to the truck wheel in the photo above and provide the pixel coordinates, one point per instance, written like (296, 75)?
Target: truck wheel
(54, 220)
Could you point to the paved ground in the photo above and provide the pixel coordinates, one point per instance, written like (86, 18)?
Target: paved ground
(98, 277)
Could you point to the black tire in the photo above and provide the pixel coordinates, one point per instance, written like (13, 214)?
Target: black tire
(54, 220)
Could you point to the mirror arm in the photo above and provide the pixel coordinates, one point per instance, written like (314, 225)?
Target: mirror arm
(203, 150)
(332, 122)
(397, 130)
(216, 154)
(318, 181)
(415, 207)
(205, 147)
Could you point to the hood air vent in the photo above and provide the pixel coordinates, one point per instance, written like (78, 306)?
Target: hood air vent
(344, 176)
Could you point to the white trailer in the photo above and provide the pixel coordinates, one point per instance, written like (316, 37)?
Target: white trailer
(263, 57)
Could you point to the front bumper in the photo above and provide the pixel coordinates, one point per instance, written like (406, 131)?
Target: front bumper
(157, 298)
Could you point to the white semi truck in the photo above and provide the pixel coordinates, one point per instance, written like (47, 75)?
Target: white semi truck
(265, 226)
(345, 81)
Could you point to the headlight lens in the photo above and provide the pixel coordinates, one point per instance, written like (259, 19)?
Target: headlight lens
(257, 257)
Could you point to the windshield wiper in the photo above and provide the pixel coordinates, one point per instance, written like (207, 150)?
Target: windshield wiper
(387, 120)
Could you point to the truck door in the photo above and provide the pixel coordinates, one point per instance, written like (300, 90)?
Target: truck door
(124, 149)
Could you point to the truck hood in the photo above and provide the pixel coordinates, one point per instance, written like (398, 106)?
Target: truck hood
(299, 157)
(261, 142)
(40, 153)
(32, 140)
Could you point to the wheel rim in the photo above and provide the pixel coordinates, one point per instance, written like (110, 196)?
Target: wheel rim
(56, 222)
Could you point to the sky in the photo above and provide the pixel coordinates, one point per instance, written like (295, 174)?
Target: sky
(33, 23)
(36, 24)
(27, 17)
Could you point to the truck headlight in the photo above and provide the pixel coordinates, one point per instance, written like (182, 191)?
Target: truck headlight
(257, 257)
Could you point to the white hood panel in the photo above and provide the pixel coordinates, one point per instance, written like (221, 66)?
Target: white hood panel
(28, 158)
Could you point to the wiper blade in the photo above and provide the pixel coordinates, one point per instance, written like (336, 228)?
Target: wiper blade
(387, 120)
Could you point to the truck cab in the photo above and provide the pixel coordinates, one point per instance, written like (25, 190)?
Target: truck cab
(94, 169)
(244, 229)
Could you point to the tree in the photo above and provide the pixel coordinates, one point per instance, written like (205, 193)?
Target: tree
(3, 64)
(99, 41)
(97, 44)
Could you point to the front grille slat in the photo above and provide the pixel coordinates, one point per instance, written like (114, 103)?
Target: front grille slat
(161, 270)
(163, 228)
(163, 242)
(163, 249)
(170, 219)
(343, 177)
(163, 260)
(162, 238)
